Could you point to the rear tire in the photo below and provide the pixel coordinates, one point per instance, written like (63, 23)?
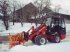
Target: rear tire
(56, 38)
(40, 40)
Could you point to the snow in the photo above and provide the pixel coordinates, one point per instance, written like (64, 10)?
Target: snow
(53, 47)
(17, 28)
(1, 26)
(67, 27)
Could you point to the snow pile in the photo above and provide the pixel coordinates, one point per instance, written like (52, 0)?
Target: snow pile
(53, 47)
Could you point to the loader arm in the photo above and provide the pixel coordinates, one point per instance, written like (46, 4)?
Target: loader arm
(38, 31)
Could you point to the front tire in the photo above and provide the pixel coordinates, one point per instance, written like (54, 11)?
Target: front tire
(40, 40)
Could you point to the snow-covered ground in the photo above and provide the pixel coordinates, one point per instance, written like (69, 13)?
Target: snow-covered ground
(64, 46)
(51, 47)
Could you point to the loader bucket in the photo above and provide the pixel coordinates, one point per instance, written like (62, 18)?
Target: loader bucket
(16, 39)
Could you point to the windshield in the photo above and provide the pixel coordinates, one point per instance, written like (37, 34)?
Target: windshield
(48, 21)
(57, 22)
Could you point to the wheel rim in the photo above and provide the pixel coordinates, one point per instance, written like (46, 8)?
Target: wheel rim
(57, 39)
(42, 41)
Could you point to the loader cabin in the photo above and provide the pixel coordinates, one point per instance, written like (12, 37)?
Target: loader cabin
(56, 24)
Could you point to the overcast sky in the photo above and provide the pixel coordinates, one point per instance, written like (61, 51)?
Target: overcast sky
(64, 4)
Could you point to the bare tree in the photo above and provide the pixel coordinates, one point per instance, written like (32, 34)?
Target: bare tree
(36, 12)
(4, 6)
(35, 17)
(41, 4)
(13, 15)
(57, 8)
(14, 7)
(8, 7)
(21, 15)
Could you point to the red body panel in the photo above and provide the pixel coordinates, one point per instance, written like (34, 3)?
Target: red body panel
(62, 36)
(50, 36)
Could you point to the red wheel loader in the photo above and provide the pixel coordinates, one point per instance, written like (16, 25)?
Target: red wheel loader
(53, 31)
